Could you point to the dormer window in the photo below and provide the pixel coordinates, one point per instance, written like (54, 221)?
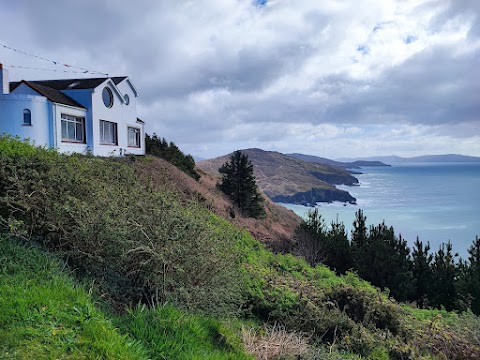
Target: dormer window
(127, 99)
(107, 97)
(27, 117)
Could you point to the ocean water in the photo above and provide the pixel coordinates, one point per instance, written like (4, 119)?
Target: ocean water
(435, 201)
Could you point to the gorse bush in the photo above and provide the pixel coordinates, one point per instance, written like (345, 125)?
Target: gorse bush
(139, 244)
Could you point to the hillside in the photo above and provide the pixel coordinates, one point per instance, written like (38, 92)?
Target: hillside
(174, 280)
(449, 158)
(286, 179)
(275, 229)
(346, 165)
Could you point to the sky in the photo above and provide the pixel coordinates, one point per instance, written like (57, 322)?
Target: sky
(328, 78)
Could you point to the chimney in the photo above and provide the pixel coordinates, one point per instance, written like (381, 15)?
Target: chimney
(4, 80)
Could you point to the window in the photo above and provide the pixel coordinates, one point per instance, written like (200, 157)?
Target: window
(107, 97)
(108, 133)
(73, 128)
(133, 137)
(127, 99)
(27, 117)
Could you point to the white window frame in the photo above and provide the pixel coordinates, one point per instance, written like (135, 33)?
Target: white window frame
(137, 140)
(78, 123)
(108, 133)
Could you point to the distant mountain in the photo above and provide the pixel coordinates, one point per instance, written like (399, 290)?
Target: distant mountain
(287, 179)
(426, 158)
(347, 165)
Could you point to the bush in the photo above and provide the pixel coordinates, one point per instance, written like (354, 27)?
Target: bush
(139, 244)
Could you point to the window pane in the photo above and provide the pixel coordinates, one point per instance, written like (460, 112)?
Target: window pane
(27, 117)
(71, 131)
(108, 133)
(64, 129)
(79, 131)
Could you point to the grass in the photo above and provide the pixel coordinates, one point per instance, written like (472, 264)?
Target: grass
(169, 333)
(45, 315)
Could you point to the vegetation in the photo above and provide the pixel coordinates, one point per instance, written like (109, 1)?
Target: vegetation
(238, 183)
(179, 282)
(170, 152)
(45, 315)
(385, 260)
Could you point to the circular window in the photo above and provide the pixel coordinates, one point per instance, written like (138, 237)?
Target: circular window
(127, 99)
(107, 97)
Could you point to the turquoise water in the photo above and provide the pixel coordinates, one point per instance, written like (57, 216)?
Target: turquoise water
(436, 201)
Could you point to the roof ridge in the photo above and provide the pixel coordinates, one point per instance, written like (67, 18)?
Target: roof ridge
(54, 95)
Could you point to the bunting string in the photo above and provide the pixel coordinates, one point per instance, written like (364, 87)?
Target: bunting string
(58, 63)
(55, 70)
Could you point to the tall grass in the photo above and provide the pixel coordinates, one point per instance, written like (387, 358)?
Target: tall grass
(169, 333)
(45, 315)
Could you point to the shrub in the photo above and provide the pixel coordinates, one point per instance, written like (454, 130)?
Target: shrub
(139, 244)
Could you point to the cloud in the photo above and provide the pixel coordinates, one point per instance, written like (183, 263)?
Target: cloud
(328, 76)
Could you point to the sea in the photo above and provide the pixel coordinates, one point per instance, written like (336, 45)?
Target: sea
(437, 202)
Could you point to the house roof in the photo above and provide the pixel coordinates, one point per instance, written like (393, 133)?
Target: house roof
(73, 84)
(51, 94)
(52, 89)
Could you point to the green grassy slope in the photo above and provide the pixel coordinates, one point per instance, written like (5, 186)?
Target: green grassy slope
(45, 315)
(142, 244)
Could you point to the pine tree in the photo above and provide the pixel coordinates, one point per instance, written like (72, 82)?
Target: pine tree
(338, 249)
(422, 273)
(470, 277)
(382, 258)
(169, 151)
(444, 278)
(238, 183)
(311, 238)
(359, 244)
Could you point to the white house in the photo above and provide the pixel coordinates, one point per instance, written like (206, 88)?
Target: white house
(96, 115)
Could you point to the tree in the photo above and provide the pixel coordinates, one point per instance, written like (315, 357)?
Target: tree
(339, 253)
(239, 184)
(444, 278)
(317, 244)
(170, 152)
(470, 277)
(381, 257)
(360, 244)
(422, 273)
(311, 238)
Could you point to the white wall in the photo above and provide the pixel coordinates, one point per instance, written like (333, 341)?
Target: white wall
(11, 118)
(121, 114)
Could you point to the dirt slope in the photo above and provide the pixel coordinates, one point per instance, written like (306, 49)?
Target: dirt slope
(275, 230)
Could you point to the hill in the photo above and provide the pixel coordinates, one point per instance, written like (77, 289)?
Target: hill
(286, 179)
(177, 281)
(346, 165)
(448, 158)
